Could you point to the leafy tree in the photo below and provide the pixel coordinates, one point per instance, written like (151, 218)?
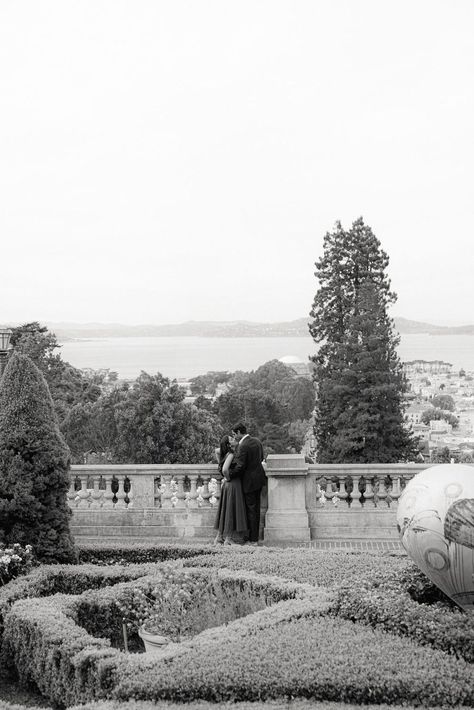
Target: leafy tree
(359, 414)
(207, 384)
(153, 424)
(269, 400)
(441, 455)
(434, 414)
(443, 401)
(34, 465)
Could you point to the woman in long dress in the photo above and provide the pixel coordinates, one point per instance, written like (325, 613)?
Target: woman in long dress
(231, 518)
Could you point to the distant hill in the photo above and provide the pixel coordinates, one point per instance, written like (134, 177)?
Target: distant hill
(228, 329)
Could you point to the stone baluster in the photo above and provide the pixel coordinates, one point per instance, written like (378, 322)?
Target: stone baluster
(180, 494)
(96, 494)
(120, 495)
(396, 492)
(382, 492)
(369, 496)
(205, 493)
(341, 489)
(166, 492)
(71, 494)
(355, 495)
(329, 491)
(320, 491)
(83, 494)
(193, 494)
(217, 493)
(131, 493)
(108, 496)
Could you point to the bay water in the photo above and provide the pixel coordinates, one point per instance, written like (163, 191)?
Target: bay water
(184, 357)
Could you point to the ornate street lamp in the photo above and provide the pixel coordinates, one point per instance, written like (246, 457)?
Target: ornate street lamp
(5, 335)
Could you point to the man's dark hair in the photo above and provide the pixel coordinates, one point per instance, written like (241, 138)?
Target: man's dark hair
(239, 428)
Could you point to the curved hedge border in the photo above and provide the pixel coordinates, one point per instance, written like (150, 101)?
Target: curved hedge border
(66, 579)
(383, 591)
(297, 647)
(70, 666)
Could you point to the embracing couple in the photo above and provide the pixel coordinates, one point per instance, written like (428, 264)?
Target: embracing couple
(241, 465)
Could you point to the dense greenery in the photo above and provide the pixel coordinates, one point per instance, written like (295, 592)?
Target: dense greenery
(388, 632)
(359, 415)
(145, 422)
(435, 414)
(34, 465)
(274, 401)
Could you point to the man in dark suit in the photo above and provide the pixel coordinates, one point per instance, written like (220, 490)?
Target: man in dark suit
(247, 465)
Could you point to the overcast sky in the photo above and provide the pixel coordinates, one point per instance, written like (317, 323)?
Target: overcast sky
(162, 161)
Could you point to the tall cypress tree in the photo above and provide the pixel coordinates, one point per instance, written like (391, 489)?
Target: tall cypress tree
(358, 376)
(34, 465)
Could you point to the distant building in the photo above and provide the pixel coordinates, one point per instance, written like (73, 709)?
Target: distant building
(431, 366)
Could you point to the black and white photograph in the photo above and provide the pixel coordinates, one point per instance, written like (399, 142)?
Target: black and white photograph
(236, 354)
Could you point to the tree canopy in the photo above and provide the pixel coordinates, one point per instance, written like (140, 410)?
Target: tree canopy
(270, 400)
(359, 380)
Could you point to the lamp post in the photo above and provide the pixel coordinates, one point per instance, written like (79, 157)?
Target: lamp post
(5, 335)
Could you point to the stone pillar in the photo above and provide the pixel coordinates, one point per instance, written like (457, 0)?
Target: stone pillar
(286, 519)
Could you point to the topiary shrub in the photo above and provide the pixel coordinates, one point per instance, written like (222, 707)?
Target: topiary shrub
(34, 465)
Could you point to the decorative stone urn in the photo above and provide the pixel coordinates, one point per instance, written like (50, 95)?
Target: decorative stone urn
(154, 643)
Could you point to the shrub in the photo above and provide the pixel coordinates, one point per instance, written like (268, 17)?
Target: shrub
(121, 554)
(34, 465)
(304, 655)
(68, 579)
(69, 665)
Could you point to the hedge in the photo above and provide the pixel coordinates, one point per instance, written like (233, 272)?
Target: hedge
(139, 553)
(305, 654)
(69, 665)
(67, 579)
(384, 591)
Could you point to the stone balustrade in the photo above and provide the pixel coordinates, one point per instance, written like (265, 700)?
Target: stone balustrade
(304, 502)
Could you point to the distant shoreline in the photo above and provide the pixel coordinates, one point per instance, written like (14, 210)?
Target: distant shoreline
(232, 329)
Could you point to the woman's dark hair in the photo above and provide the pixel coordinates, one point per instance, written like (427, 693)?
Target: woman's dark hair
(224, 449)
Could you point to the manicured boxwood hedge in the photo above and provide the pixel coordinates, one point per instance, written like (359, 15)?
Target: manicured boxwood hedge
(69, 665)
(305, 655)
(67, 579)
(312, 645)
(385, 591)
(139, 553)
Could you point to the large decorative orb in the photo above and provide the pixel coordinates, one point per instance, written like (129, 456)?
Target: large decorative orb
(435, 518)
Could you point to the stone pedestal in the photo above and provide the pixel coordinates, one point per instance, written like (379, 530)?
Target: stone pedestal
(286, 519)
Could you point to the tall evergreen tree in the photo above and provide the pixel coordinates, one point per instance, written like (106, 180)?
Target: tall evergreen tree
(34, 465)
(358, 376)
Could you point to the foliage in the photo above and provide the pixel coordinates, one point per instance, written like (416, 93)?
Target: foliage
(269, 399)
(68, 385)
(166, 607)
(207, 384)
(441, 455)
(434, 414)
(15, 561)
(146, 422)
(122, 554)
(281, 650)
(443, 401)
(34, 465)
(360, 383)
